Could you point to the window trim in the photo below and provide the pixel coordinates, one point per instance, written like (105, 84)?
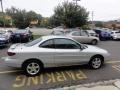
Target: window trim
(60, 38)
(68, 39)
(46, 41)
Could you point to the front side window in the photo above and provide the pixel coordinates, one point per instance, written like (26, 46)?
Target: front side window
(83, 33)
(47, 44)
(66, 44)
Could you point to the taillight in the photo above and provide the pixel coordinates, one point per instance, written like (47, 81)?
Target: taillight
(11, 53)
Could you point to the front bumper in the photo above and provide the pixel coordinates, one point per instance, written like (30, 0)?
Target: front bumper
(107, 57)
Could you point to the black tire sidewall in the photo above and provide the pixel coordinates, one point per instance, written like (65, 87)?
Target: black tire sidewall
(27, 63)
(94, 42)
(90, 63)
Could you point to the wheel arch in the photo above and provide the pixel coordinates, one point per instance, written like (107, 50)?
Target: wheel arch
(99, 55)
(31, 59)
(94, 40)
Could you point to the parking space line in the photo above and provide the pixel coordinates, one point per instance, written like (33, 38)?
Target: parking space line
(13, 71)
(112, 62)
(117, 67)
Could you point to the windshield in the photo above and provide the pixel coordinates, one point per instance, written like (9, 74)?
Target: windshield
(2, 36)
(29, 44)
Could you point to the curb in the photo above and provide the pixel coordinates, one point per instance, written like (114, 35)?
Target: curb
(114, 83)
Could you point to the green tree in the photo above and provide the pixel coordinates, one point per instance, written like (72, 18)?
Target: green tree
(69, 15)
(99, 24)
(22, 18)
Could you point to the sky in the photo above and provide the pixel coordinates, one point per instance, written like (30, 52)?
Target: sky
(104, 10)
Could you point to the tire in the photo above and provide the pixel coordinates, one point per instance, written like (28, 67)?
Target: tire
(94, 42)
(32, 67)
(96, 62)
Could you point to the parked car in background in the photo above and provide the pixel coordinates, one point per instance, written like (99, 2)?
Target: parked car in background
(57, 32)
(8, 34)
(22, 35)
(115, 35)
(83, 37)
(92, 33)
(103, 34)
(60, 32)
(3, 40)
(54, 51)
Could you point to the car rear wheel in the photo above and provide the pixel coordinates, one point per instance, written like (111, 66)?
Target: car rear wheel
(94, 42)
(32, 67)
(96, 62)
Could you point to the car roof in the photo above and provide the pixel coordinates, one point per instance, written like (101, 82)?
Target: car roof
(90, 31)
(20, 31)
(54, 36)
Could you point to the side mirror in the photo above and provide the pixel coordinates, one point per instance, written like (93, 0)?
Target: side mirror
(82, 47)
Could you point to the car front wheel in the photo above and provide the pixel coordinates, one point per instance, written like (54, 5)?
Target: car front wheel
(96, 62)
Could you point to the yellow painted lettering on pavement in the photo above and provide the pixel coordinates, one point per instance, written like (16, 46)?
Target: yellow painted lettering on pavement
(51, 78)
(60, 76)
(20, 81)
(71, 75)
(41, 79)
(80, 75)
(32, 80)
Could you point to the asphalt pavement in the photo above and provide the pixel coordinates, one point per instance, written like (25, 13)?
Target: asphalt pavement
(14, 79)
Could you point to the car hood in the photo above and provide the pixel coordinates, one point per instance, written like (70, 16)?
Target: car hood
(94, 49)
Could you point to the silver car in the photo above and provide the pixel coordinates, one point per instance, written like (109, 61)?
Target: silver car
(82, 37)
(53, 51)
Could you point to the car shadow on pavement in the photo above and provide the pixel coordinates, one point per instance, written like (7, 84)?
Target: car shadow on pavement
(59, 69)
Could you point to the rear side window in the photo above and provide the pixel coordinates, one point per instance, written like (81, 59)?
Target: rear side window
(48, 44)
(65, 44)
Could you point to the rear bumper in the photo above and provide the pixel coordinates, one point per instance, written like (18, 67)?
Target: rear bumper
(12, 62)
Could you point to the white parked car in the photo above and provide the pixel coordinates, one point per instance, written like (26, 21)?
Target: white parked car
(115, 35)
(54, 51)
(82, 37)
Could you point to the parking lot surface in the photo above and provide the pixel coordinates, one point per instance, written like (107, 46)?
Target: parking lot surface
(14, 79)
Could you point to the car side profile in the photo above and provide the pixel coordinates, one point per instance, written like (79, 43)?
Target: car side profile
(53, 51)
(82, 37)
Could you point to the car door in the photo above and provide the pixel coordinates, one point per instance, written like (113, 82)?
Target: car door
(47, 52)
(84, 37)
(76, 35)
(68, 52)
